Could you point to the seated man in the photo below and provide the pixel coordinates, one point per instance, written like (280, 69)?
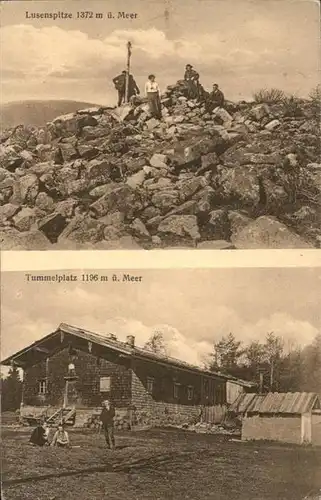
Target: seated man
(216, 98)
(61, 437)
(40, 434)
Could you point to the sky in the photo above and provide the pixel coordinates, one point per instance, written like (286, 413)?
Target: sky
(243, 46)
(193, 308)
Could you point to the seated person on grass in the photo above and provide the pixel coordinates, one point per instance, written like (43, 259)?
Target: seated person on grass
(61, 437)
(39, 436)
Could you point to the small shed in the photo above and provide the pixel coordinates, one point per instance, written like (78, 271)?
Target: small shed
(291, 417)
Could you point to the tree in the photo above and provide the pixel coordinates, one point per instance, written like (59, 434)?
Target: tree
(156, 343)
(254, 361)
(11, 390)
(290, 371)
(226, 355)
(311, 366)
(273, 349)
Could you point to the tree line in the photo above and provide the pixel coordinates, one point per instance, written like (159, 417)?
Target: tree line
(267, 362)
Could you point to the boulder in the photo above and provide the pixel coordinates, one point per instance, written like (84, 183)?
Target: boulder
(238, 221)
(188, 187)
(259, 112)
(240, 184)
(267, 232)
(69, 152)
(82, 229)
(66, 208)
(24, 219)
(7, 211)
(97, 170)
(31, 240)
(181, 226)
(87, 151)
(45, 202)
(215, 245)
(218, 225)
(76, 187)
(209, 161)
(139, 229)
(91, 133)
(120, 198)
(165, 200)
(162, 184)
(9, 158)
(136, 180)
(126, 242)
(26, 189)
(159, 161)
(152, 123)
(121, 113)
(52, 226)
(187, 208)
(273, 125)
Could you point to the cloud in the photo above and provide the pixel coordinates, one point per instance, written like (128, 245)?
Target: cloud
(53, 59)
(184, 305)
(52, 51)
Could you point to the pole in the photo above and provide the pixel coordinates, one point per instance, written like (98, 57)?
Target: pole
(261, 382)
(272, 375)
(129, 53)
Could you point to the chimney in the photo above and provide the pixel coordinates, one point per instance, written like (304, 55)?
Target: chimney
(112, 336)
(130, 340)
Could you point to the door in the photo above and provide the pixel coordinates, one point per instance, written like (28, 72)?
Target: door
(71, 397)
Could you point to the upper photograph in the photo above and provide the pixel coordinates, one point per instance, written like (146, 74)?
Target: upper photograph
(157, 125)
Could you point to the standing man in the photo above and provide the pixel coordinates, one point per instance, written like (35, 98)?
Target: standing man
(191, 77)
(107, 419)
(133, 89)
(120, 84)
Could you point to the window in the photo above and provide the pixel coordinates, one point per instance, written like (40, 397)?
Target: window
(105, 383)
(150, 385)
(176, 390)
(42, 386)
(190, 392)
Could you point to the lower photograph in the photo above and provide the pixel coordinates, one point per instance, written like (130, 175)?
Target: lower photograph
(161, 384)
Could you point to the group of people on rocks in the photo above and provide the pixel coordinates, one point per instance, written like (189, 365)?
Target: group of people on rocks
(40, 435)
(195, 90)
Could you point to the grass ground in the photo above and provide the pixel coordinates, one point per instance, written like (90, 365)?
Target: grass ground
(156, 465)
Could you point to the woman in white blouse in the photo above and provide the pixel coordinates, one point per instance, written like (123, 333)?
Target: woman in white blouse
(153, 97)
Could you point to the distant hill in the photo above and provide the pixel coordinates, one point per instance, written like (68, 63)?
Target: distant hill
(36, 113)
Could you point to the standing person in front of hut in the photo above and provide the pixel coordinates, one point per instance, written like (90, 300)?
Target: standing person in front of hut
(107, 419)
(153, 97)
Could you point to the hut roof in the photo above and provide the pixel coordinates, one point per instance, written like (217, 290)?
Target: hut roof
(276, 402)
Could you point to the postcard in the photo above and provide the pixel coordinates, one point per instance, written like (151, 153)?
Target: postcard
(174, 383)
(161, 124)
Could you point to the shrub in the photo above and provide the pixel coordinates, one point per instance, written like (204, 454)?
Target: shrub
(269, 96)
(292, 106)
(315, 100)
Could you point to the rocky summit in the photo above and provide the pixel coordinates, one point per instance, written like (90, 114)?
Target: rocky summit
(246, 176)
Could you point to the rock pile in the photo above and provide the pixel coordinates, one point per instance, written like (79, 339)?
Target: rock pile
(247, 176)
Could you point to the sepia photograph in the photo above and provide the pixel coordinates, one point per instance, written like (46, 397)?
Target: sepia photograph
(159, 125)
(161, 384)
